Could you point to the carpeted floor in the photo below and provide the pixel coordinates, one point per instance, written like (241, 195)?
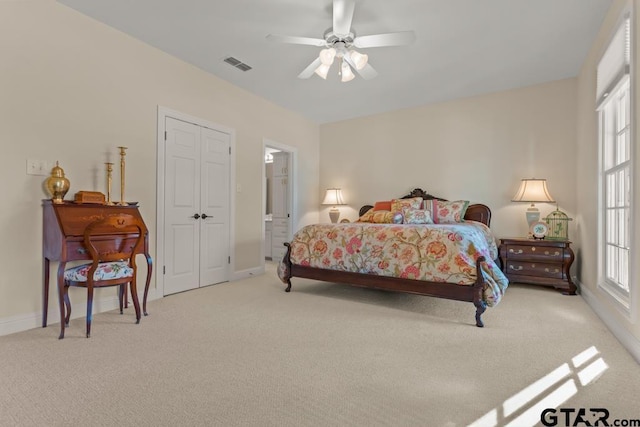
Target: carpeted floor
(248, 354)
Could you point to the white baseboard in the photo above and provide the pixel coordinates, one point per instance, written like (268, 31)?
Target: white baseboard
(244, 274)
(24, 322)
(628, 341)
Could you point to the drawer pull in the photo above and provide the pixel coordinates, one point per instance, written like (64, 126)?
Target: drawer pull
(533, 249)
(514, 252)
(82, 251)
(516, 269)
(557, 270)
(556, 253)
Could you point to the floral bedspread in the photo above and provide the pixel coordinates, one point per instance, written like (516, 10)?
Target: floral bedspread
(434, 252)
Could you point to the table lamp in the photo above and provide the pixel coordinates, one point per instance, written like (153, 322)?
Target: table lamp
(533, 191)
(333, 197)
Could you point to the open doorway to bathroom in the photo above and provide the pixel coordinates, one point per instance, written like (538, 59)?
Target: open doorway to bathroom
(278, 197)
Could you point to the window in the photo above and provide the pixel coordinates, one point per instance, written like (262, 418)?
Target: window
(615, 166)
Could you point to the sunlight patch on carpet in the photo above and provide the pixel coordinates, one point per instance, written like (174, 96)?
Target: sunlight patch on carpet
(525, 408)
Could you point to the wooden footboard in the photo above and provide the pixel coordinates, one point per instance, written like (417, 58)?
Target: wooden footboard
(471, 293)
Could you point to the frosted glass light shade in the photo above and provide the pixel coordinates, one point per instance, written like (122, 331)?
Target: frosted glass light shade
(359, 59)
(347, 74)
(323, 70)
(327, 55)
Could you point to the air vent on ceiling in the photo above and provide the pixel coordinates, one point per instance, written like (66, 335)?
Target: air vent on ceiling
(236, 63)
(243, 67)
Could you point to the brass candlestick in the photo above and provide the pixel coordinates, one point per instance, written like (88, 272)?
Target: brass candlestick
(122, 154)
(109, 181)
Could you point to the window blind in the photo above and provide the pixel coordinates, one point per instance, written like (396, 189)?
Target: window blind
(614, 64)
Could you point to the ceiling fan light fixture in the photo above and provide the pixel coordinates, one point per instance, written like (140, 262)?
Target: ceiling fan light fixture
(347, 74)
(323, 70)
(359, 59)
(338, 40)
(327, 55)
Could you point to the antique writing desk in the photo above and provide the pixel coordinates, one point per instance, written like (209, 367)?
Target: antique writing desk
(63, 228)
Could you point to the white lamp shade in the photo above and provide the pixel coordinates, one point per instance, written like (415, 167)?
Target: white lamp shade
(359, 59)
(327, 55)
(347, 74)
(333, 197)
(323, 70)
(533, 191)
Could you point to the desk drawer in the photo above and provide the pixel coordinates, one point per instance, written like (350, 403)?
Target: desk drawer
(539, 269)
(534, 253)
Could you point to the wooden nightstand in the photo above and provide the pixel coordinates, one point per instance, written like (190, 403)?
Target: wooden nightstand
(538, 262)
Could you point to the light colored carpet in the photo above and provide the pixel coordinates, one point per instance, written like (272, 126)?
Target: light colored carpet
(248, 354)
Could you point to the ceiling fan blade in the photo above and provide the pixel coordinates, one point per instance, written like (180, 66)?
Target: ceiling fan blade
(311, 68)
(297, 40)
(342, 17)
(367, 72)
(400, 38)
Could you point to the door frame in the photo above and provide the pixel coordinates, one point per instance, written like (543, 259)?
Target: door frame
(293, 197)
(163, 113)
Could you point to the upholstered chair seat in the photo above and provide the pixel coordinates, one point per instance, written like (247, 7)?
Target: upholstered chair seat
(105, 271)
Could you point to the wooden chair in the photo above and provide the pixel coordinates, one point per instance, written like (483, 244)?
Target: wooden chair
(108, 267)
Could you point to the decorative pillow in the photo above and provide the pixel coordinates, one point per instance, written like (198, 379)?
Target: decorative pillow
(452, 212)
(398, 205)
(382, 206)
(105, 271)
(382, 217)
(445, 212)
(379, 217)
(366, 217)
(417, 216)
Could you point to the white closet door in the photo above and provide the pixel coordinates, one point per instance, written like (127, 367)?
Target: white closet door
(196, 206)
(182, 202)
(214, 248)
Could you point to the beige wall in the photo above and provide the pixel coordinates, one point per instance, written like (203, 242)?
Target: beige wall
(476, 149)
(626, 327)
(72, 89)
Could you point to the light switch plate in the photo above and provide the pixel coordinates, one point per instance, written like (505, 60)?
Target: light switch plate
(38, 167)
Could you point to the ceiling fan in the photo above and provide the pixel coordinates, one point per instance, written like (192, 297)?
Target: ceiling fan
(339, 41)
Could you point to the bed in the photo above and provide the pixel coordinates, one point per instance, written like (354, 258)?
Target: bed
(452, 260)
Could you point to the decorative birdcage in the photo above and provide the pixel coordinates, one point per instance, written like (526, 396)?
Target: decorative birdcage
(558, 222)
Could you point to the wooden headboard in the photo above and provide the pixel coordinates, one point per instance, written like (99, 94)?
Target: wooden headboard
(476, 212)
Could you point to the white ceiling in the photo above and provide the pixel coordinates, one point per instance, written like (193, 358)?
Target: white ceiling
(463, 47)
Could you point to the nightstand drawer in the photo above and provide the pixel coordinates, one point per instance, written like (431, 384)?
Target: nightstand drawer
(533, 253)
(538, 262)
(539, 269)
